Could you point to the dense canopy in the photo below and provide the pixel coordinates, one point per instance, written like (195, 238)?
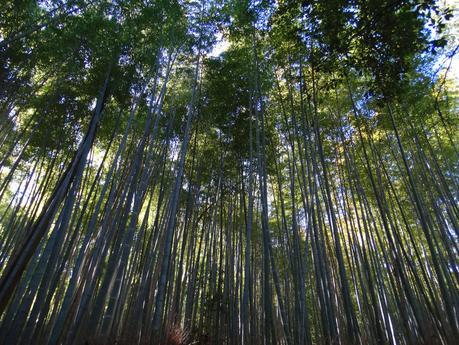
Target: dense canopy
(228, 172)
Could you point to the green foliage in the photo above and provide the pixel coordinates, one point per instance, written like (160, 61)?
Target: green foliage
(300, 187)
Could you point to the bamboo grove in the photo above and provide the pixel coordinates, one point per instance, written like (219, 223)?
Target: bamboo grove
(299, 188)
